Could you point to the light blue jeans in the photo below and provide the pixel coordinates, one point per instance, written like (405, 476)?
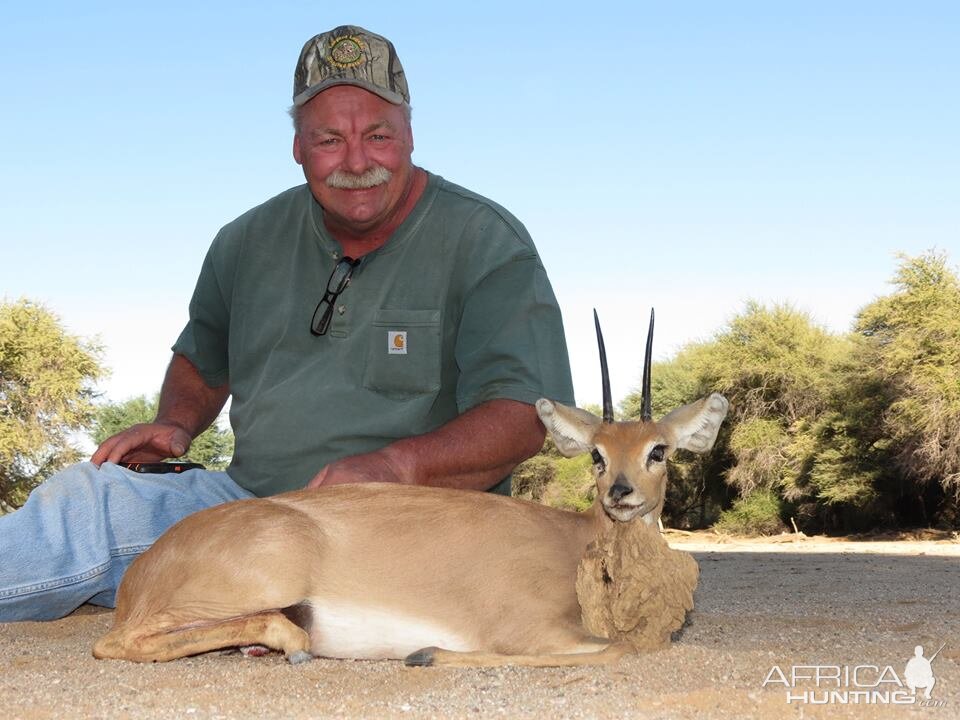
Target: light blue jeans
(78, 532)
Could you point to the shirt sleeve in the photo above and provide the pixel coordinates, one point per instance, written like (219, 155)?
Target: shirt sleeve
(204, 340)
(510, 343)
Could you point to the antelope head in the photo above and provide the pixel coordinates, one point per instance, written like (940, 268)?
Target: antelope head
(630, 458)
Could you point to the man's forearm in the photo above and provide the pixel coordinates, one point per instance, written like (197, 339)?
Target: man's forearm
(186, 400)
(473, 451)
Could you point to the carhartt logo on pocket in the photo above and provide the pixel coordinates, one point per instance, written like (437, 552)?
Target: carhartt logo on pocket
(396, 342)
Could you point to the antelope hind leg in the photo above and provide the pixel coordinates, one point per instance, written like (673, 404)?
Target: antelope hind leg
(584, 655)
(271, 629)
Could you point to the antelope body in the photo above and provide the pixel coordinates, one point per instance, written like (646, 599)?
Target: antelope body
(379, 570)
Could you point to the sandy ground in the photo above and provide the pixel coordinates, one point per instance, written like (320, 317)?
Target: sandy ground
(783, 603)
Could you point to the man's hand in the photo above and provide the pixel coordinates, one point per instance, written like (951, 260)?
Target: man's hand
(370, 467)
(144, 443)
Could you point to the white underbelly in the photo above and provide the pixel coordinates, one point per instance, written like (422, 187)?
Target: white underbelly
(367, 633)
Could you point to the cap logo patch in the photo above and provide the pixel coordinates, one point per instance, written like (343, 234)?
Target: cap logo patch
(347, 52)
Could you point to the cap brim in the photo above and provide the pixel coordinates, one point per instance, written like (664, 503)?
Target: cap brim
(388, 95)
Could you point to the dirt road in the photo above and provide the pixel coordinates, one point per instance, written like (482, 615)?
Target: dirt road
(763, 611)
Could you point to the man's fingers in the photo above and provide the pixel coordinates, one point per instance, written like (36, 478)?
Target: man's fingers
(317, 480)
(143, 443)
(124, 445)
(368, 467)
(103, 451)
(125, 442)
(113, 448)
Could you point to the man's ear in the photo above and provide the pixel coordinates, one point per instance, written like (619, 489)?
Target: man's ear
(695, 426)
(571, 428)
(296, 149)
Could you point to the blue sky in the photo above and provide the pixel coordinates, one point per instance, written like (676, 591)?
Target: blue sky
(687, 155)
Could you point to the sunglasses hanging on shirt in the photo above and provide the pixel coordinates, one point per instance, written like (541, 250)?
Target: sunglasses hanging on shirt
(338, 282)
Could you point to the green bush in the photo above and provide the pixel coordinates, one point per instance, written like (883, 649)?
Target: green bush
(574, 487)
(554, 480)
(531, 477)
(755, 514)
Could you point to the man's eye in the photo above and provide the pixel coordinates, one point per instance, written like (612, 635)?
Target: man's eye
(378, 138)
(656, 455)
(598, 460)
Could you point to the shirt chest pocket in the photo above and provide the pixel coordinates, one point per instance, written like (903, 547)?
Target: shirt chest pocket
(403, 352)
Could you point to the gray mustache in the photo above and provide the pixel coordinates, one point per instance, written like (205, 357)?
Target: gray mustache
(377, 175)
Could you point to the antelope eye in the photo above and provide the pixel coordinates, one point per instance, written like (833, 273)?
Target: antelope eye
(656, 455)
(598, 460)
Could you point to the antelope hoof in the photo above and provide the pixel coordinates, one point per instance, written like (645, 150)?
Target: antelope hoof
(420, 658)
(300, 656)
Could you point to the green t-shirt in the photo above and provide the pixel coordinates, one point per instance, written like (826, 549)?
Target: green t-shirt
(460, 283)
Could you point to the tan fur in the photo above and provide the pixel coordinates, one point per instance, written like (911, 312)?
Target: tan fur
(497, 574)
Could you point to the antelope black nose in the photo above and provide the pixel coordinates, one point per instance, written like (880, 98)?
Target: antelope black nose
(619, 490)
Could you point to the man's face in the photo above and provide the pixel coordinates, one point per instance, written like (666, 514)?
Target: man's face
(347, 138)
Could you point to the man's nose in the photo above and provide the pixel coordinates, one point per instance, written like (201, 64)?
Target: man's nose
(356, 160)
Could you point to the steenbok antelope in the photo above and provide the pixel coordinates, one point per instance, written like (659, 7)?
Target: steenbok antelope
(378, 570)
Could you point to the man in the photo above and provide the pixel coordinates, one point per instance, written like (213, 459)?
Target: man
(417, 362)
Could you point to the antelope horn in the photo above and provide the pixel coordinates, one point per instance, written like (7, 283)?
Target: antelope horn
(604, 372)
(646, 413)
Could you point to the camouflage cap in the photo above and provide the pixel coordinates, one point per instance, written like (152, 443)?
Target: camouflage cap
(349, 55)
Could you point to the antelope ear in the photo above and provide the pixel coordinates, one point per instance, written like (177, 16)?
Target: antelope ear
(571, 428)
(695, 426)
